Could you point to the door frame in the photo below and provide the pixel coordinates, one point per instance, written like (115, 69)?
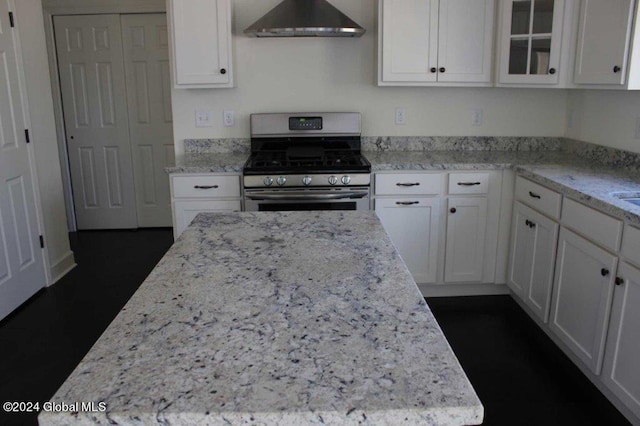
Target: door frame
(52, 8)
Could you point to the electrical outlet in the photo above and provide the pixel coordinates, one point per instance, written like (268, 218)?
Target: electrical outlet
(571, 118)
(228, 118)
(637, 132)
(476, 117)
(401, 116)
(204, 118)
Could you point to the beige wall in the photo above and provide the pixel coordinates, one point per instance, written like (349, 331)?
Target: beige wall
(339, 75)
(605, 117)
(29, 22)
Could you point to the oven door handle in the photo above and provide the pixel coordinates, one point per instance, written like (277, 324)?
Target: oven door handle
(304, 197)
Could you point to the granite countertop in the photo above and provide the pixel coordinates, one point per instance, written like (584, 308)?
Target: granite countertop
(593, 184)
(210, 163)
(274, 318)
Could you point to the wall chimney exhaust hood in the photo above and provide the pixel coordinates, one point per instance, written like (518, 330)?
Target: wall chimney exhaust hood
(304, 18)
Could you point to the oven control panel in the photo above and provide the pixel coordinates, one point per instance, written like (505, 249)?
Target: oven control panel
(305, 123)
(301, 181)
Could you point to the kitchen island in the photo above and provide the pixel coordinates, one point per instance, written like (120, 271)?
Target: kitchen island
(283, 318)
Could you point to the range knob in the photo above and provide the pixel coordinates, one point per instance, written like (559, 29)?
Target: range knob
(346, 180)
(306, 181)
(281, 180)
(268, 181)
(333, 180)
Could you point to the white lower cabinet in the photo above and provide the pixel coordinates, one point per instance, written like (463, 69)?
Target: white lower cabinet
(466, 231)
(412, 223)
(621, 371)
(202, 193)
(582, 292)
(533, 254)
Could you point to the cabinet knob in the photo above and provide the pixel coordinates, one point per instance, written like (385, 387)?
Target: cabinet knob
(453, 210)
(223, 71)
(442, 69)
(552, 70)
(616, 69)
(619, 281)
(604, 272)
(434, 69)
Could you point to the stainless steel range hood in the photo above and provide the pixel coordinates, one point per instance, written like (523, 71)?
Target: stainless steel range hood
(304, 18)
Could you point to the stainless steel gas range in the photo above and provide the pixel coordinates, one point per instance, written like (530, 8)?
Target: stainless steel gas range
(306, 161)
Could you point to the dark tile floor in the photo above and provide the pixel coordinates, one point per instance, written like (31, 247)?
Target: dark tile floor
(519, 374)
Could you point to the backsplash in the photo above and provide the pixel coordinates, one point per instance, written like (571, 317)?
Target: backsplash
(607, 156)
(217, 146)
(465, 143)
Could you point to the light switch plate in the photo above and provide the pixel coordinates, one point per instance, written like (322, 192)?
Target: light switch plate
(204, 118)
(476, 117)
(401, 116)
(228, 118)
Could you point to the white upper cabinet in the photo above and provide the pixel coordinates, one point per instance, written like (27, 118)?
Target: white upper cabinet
(423, 42)
(531, 33)
(604, 35)
(201, 43)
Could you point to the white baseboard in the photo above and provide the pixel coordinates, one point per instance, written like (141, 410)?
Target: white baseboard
(62, 267)
(449, 290)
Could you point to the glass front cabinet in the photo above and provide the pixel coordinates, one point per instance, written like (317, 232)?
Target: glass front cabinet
(530, 41)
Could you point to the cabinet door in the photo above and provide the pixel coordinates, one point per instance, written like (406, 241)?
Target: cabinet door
(412, 224)
(465, 40)
(409, 40)
(582, 292)
(621, 373)
(603, 41)
(466, 230)
(201, 31)
(531, 41)
(533, 256)
(186, 211)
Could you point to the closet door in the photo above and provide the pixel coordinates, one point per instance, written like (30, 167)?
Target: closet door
(92, 80)
(146, 63)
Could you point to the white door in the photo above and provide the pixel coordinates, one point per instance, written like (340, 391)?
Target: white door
(465, 40)
(92, 79)
(621, 372)
(146, 61)
(412, 224)
(21, 266)
(409, 40)
(582, 292)
(603, 41)
(522, 251)
(466, 230)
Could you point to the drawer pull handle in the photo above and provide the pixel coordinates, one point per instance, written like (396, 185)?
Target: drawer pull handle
(534, 195)
(408, 184)
(530, 224)
(604, 272)
(468, 183)
(206, 186)
(407, 203)
(619, 281)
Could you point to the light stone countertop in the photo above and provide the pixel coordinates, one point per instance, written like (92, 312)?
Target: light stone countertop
(209, 162)
(274, 318)
(593, 185)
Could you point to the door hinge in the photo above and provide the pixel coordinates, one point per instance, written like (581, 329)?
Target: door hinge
(41, 241)
(11, 22)
(26, 135)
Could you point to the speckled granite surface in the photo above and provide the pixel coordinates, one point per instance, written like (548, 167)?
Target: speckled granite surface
(286, 318)
(209, 163)
(459, 143)
(217, 146)
(594, 185)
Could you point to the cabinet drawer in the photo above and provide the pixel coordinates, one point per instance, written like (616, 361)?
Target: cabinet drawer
(596, 226)
(186, 211)
(631, 244)
(537, 196)
(468, 183)
(408, 184)
(206, 186)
